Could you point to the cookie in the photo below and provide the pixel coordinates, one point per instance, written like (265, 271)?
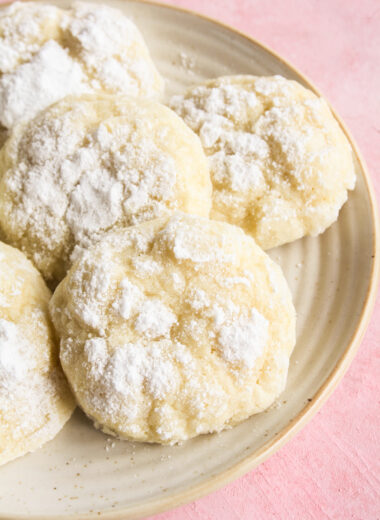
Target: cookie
(280, 164)
(87, 164)
(173, 328)
(47, 53)
(35, 400)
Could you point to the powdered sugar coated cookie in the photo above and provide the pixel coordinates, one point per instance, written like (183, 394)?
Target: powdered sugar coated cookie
(280, 164)
(173, 328)
(91, 163)
(35, 401)
(47, 53)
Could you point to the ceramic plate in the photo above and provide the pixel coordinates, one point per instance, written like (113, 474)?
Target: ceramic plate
(82, 473)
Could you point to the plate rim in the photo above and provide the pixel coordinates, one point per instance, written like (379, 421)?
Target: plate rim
(238, 469)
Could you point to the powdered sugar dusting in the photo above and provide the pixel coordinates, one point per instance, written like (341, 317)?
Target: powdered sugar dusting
(50, 75)
(154, 319)
(236, 156)
(273, 148)
(244, 340)
(112, 50)
(97, 284)
(128, 300)
(14, 362)
(198, 299)
(135, 365)
(47, 53)
(187, 242)
(79, 177)
(187, 62)
(130, 370)
(24, 28)
(178, 348)
(34, 397)
(95, 350)
(147, 266)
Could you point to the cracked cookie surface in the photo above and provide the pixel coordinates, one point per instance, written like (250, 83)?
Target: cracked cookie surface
(173, 328)
(35, 400)
(87, 164)
(280, 164)
(48, 53)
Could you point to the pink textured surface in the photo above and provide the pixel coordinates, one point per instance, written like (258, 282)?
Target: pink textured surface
(331, 469)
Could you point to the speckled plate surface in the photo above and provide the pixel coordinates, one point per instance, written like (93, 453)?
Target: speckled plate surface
(83, 474)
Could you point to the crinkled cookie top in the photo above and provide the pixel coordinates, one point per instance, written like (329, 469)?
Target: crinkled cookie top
(91, 163)
(35, 401)
(280, 164)
(47, 53)
(173, 328)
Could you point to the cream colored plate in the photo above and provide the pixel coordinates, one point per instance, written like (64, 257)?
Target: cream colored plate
(333, 280)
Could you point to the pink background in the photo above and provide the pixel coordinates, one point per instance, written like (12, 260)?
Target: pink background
(331, 470)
